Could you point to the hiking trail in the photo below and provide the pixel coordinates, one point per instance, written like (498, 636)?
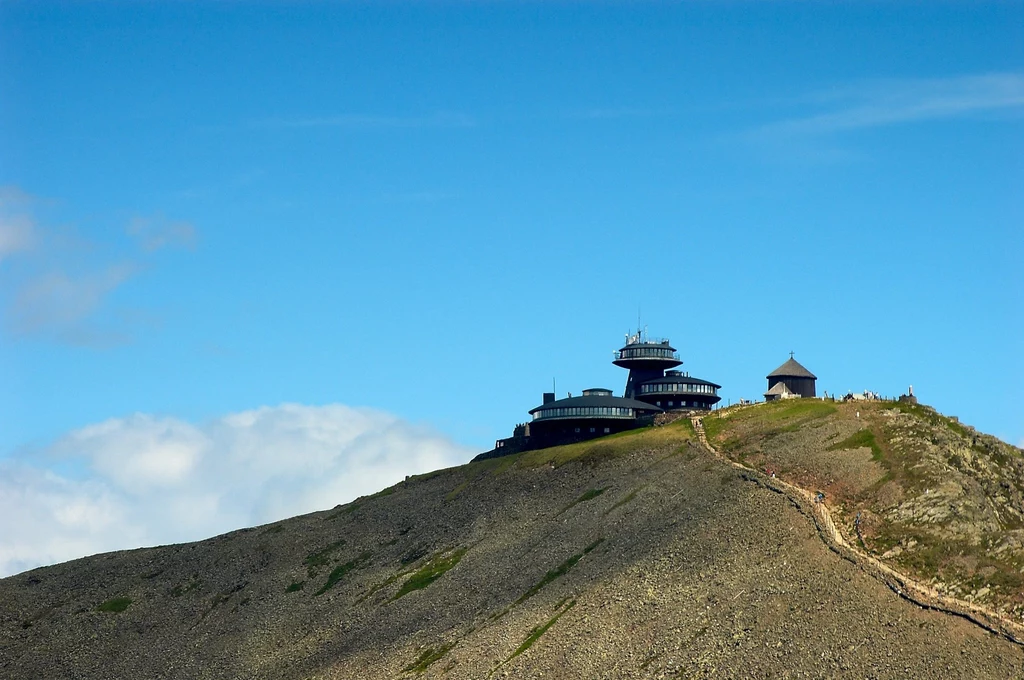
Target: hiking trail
(904, 586)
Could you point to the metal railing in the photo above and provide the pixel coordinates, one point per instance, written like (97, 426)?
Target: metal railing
(646, 353)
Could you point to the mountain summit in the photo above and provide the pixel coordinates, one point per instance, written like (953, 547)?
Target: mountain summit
(691, 549)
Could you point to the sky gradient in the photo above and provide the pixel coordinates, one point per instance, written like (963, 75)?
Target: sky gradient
(338, 243)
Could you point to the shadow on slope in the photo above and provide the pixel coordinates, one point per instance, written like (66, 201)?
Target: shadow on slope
(636, 555)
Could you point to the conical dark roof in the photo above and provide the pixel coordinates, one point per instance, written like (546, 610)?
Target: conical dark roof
(791, 369)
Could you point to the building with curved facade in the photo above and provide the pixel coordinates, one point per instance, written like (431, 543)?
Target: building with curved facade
(646, 360)
(677, 390)
(594, 414)
(651, 388)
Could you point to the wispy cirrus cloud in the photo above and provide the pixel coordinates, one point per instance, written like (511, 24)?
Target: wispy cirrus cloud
(57, 283)
(156, 233)
(880, 103)
(441, 119)
(17, 226)
(60, 303)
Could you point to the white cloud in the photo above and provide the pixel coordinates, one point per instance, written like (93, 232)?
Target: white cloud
(152, 480)
(49, 518)
(138, 452)
(890, 102)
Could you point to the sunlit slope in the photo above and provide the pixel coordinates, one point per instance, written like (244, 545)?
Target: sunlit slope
(936, 499)
(638, 555)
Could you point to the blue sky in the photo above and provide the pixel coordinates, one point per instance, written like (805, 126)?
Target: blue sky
(396, 223)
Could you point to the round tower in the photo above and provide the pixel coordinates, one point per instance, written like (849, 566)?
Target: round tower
(646, 359)
(680, 391)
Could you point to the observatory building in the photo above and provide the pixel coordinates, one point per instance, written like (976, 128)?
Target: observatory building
(677, 390)
(594, 414)
(652, 380)
(652, 387)
(790, 380)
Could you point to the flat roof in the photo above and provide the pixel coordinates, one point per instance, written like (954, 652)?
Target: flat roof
(596, 400)
(685, 379)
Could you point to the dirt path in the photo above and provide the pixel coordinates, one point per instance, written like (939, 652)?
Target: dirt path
(901, 584)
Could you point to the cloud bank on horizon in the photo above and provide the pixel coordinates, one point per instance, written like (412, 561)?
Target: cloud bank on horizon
(144, 480)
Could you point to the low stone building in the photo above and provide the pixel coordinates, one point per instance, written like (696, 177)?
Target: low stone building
(779, 391)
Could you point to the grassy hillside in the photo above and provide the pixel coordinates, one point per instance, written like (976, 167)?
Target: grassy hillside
(935, 499)
(639, 555)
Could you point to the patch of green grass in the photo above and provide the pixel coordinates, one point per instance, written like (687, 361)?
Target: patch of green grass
(502, 464)
(628, 498)
(295, 586)
(429, 573)
(1009, 579)
(342, 510)
(388, 491)
(715, 424)
(340, 571)
(450, 496)
(588, 495)
(383, 584)
(921, 411)
(426, 476)
(725, 428)
(429, 656)
(115, 604)
(949, 559)
(861, 439)
(933, 417)
(538, 631)
(602, 449)
(273, 529)
(787, 409)
(557, 572)
(317, 559)
(179, 590)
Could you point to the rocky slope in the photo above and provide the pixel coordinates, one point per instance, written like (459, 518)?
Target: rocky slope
(638, 555)
(936, 499)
